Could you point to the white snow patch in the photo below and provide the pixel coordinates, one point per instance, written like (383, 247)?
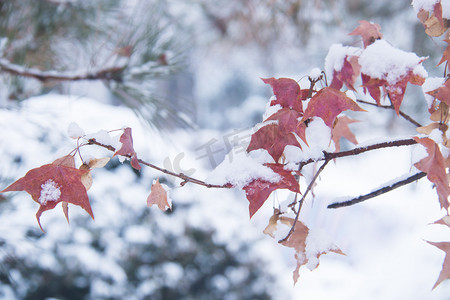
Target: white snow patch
(271, 109)
(241, 168)
(428, 6)
(317, 241)
(75, 131)
(431, 84)
(334, 61)
(436, 136)
(383, 61)
(49, 192)
(315, 74)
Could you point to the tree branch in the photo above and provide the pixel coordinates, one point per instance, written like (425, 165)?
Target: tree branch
(112, 73)
(404, 115)
(378, 192)
(308, 189)
(185, 178)
(359, 150)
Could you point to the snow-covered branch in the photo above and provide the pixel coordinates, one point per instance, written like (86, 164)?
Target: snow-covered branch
(112, 73)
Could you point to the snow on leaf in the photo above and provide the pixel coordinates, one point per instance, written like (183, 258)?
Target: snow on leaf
(287, 91)
(385, 66)
(434, 166)
(127, 148)
(309, 246)
(158, 196)
(370, 32)
(341, 130)
(347, 74)
(258, 190)
(445, 272)
(328, 103)
(43, 184)
(442, 93)
(273, 139)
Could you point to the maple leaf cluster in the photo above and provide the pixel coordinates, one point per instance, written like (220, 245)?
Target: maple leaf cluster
(62, 182)
(383, 73)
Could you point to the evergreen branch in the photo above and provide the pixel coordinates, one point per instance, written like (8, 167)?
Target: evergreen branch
(359, 150)
(308, 189)
(185, 178)
(112, 73)
(404, 115)
(379, 192)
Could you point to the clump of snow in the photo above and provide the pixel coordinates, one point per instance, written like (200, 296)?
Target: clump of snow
(383, 61)
(50, 191)
(436, 136)
(429, 4)
(271, 109)
(317, 242)
(431, 84)
(75, 131)
(103, 137)
(315, 74)
(334, 61)
(318, 135)
(241, 168)
(351, 95)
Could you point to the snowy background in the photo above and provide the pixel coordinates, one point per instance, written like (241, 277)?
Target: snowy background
(207, 248)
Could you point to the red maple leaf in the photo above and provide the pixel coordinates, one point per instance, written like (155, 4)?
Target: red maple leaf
(434, 166)
(446, 55)
(127, 148)
(347, 75)
(289, 120)
(442, 93)
(298, 241)
(258, 190)
(370, 32)
(53, 183)
(445, 272)
(273, 139)
(396, 91)
(287, 91)
(341, 130)
(158, 196)
(328, 103)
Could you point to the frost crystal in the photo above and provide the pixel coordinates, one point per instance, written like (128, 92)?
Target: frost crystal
(49, 192)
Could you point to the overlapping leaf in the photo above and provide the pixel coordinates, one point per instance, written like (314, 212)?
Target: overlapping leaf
(272, 138)
(127, 148)
(370, 32)
(51, 184)
(341, 130)
(328, 103)
(304, 254)
(258, 190)
(434, 166)
(287, 91)
(347, 74)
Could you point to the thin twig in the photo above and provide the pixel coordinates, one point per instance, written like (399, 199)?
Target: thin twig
(112, 73)
(378, 192)
(404, 115)
(308, 189)
(185, 178)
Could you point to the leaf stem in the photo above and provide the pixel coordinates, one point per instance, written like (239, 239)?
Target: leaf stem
(165, 171)
(378, 192)
(308, 189)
